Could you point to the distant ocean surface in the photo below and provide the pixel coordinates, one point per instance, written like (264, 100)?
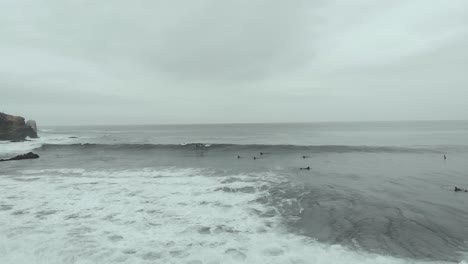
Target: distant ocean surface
(377, 192)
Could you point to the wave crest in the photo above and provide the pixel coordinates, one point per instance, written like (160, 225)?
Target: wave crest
(235, 148)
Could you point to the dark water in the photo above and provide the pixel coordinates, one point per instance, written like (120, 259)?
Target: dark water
(375, 192)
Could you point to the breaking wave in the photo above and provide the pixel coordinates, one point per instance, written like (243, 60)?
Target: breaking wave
(153, 216)
(264, 149)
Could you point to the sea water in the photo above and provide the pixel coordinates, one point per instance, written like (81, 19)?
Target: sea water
(375, 193)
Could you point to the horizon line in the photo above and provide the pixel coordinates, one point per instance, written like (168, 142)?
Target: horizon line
(262, 123)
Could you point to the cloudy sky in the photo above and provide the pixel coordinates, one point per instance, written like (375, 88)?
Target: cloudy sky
(210, 61)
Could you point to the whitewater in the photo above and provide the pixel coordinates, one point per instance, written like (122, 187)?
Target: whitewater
(375, 193)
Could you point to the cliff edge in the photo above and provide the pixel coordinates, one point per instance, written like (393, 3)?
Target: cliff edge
(13, 128)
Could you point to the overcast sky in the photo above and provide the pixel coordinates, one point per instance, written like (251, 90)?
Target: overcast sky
(211, 61)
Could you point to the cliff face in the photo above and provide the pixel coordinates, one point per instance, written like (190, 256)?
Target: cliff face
(14, 128)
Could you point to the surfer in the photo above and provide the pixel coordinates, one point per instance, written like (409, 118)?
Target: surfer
(306, 168)
(254, 158)
(445, 157)
(239, 157)
(304, 157)
(459, 189)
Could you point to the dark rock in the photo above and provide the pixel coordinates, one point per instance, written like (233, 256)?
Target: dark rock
(13, 128)
(29, 155)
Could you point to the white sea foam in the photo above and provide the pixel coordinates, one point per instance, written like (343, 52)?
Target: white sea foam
(150, 216)
(10, 148)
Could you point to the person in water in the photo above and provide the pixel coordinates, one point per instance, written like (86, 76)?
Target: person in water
(239, 157)
(307, 168)
(445, 157)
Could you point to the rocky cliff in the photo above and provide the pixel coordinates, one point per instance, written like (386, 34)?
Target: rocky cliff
(14, 128)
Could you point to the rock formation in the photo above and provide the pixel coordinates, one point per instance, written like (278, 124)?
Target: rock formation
(13, 128)
(28, 155)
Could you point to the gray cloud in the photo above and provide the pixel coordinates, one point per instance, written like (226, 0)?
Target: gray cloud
(242, 41)
(233, 61)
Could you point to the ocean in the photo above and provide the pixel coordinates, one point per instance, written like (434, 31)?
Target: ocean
(374, 192)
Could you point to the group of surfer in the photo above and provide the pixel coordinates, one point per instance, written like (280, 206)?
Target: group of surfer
(308, 168)
(255, 157)
(264, 153)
